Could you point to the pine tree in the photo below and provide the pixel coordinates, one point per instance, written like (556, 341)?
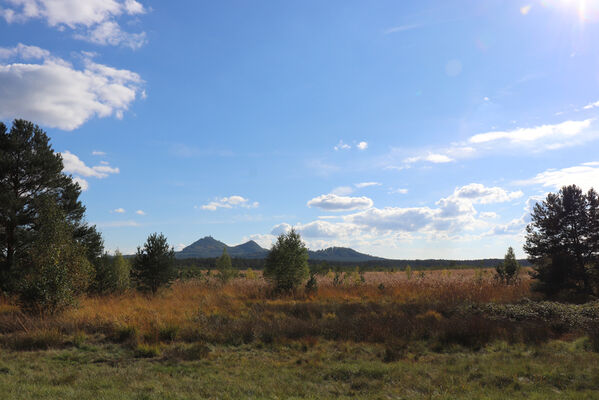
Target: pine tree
(286, 265)
(154, 264)
(562, 243)
(508, 270)
(30, 170)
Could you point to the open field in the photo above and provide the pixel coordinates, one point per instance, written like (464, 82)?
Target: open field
(441, 334)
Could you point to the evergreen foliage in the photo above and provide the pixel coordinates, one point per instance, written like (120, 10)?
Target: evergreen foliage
(286, 266)
(56, 269)
(507, 271)
(225, 267)
(562, 242)
(154, 264)
(31, 171)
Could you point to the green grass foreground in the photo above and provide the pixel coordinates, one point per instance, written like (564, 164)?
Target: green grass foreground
(88, 370)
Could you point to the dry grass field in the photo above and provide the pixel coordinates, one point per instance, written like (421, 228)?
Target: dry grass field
(438, 334)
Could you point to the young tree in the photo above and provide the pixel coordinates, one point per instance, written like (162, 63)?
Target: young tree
(30, 171)
(154, 264)
(225, 267)
(112, 274)
(508, 270)
(562, 243)
(286, 265)
(55, 267)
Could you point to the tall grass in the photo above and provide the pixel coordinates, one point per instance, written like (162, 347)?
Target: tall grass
(383, 307)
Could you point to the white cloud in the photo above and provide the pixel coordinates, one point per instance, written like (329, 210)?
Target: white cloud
(362, 145)
(431, 157)
(400, 191)
(92, 20)
(230, 202)
(119, 210)
(585, 175)
(73, 165)
(564, 130)
(140, 212)
(366, 184)
(333, 202)
(98, 153)
(342, 146)
(478, 193)
(591, 105)
(488, 215)
(180, 247)
(55, 93)
(83, 184)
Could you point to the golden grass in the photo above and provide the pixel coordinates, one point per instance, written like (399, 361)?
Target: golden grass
(181, 305)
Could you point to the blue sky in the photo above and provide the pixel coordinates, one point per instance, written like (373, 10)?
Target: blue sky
(402, 129)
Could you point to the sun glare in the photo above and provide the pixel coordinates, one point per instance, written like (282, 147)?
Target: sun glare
(585, 9)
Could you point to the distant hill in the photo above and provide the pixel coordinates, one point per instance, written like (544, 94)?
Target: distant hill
(209, 247)
(340, 254)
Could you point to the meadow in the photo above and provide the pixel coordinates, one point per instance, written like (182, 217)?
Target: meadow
(428, 334)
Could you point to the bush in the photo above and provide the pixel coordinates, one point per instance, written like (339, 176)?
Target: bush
(225, 267)
(112, 274)
(57, 269)
(286, 265)
(507, 272)
(154, 264)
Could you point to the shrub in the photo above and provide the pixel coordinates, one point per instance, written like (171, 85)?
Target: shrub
(312, 284)
(154, 264)
(112, 274)
(225, 267)
(507, 272)
(286, 265)
(57, 269)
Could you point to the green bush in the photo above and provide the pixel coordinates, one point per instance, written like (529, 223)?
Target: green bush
(226, 272)
(112, 274)
(57, 269)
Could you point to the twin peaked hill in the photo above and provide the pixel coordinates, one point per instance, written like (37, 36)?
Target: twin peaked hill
(209, 247)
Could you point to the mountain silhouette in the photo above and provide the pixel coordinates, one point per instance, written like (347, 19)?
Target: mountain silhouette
(208, 247)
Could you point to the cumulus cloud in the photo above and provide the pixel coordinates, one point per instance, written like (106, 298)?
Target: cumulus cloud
(91, 20)
(55, 93)
(119, 210)
(362, 145)
(73, 165)
(98, 153)
(140, 212)
(333, 202)
(585, 175)
(591, 105)
(478, 193)
(76, 167)
(230, 202)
